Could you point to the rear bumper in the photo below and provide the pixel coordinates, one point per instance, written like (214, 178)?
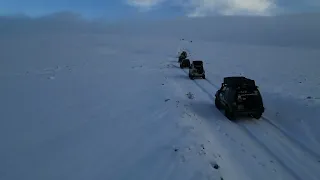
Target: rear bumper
(197, 74)
(249, 111)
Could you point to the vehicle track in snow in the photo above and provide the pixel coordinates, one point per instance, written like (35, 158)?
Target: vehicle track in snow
(292, 139)
(246, 131)
(278, 128)
(292, 155)
(241, 130)
(312, 156)
(267, 120)
(271, 152)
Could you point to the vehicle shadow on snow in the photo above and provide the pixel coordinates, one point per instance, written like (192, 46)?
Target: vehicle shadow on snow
(206, 110)
(209, 111)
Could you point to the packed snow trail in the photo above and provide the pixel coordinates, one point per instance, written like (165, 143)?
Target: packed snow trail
(290, 98)
(313, 153)
(295, 158)
(234, 150)
(291, 158)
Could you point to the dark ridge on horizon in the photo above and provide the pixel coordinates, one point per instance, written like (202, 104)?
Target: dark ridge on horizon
(294, 30)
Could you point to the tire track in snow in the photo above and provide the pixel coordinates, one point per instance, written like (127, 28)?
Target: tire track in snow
(191, 125)
(292, 139)
(252, 136)
(246, 131)
(211, 97)
(265, 147)
(196, 83)
(212, 84)
(289, 137)
(278, 142)
(285, 134)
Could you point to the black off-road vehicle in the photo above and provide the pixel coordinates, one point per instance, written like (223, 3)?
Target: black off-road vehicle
(196, 70)
(182, 56)
(185, 63)
(239, 95)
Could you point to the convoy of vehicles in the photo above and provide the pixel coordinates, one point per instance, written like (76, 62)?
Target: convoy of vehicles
(196, 70)
(237, 95)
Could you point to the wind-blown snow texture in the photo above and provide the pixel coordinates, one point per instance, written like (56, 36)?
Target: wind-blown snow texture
(96, 101)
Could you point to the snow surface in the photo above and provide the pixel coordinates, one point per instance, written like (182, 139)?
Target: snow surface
(88, 100)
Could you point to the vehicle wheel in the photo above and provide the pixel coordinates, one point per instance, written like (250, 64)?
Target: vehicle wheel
(229, 114)
(181, 66)
(217, 103)
(190, 76)
(204, 77)
(257, 115)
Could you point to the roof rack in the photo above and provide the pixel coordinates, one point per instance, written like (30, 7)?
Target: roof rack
(239, 82)
(198, 62)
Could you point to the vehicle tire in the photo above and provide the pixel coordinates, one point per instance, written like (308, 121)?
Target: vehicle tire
(181, 66)
(204, 77)
(229, 114)
(191, 77)
(257, 115)
(217, 103)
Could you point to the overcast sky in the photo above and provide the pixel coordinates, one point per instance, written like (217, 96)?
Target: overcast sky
(157, 8)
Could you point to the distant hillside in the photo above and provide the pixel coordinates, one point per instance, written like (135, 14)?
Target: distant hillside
(300, 30)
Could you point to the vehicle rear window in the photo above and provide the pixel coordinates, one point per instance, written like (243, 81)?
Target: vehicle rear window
(249, 96)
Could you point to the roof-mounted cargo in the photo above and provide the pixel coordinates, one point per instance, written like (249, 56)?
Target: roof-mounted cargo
(239, 82)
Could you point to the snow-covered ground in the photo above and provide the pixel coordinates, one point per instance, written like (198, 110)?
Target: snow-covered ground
(97, 101)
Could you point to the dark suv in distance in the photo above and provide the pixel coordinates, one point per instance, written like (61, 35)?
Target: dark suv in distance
(239, 95)
(182, 56)
(196, 70)
(185, 63)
